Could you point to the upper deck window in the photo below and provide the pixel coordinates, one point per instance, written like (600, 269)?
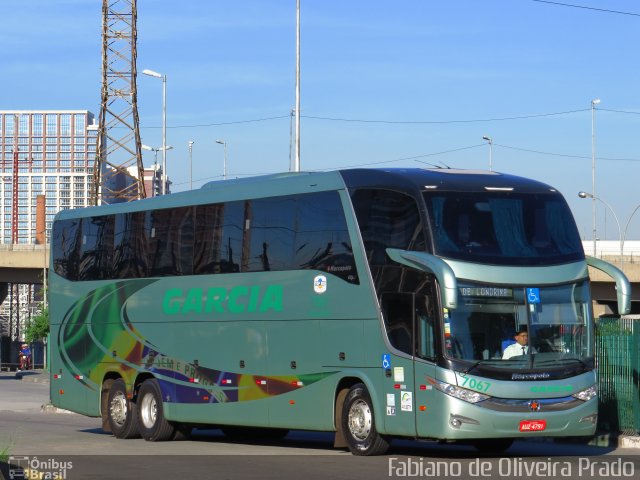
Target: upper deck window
(295, 232)
(503, 228)
(387, 219)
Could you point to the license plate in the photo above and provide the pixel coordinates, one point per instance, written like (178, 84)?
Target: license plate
(533, 425)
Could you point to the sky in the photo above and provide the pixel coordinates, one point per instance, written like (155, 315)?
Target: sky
(402, 83)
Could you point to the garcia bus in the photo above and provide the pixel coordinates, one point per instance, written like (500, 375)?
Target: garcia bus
(372, 303)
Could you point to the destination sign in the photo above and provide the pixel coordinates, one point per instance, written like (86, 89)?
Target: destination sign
(488, 292)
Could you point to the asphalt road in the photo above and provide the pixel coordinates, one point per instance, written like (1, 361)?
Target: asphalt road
(50, 441)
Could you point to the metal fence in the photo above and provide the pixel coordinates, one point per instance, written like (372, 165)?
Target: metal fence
(9, 354)
(618, 361)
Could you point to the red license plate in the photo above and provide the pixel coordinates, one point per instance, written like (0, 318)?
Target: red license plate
(533, 425)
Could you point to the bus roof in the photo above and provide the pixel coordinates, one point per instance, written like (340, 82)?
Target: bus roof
(300, 182)
(448, 179)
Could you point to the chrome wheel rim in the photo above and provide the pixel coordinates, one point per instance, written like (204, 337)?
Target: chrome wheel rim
(360, 420)
(118, 409)
(149, 410)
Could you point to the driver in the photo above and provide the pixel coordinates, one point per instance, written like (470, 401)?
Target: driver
(521, 347)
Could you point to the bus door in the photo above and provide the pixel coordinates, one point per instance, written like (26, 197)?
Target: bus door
(426, 407)
(399, 322)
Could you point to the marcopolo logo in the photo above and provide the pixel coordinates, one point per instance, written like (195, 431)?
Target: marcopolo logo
(238, 299)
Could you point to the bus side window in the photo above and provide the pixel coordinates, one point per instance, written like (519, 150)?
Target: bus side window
(171, 242)
(66, 242)
(130, 247)
(426, 325)
(96, 248)
(397, 310)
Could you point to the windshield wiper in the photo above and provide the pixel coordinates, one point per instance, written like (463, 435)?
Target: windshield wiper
(574, 359)
(472, 367)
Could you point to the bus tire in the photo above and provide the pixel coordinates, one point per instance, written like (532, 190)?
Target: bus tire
(359, 426)
(121, 412)
(153, 426)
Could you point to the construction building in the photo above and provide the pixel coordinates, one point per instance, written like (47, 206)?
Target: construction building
(48, 153)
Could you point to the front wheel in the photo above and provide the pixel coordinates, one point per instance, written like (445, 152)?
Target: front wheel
(358, 424)
(153, 426)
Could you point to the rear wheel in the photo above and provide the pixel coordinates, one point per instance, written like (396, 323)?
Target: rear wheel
(358, 424)
(153, 426)
(122, 415)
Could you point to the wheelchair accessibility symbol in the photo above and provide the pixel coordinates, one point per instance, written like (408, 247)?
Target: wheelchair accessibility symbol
(533, 295)
(386, 361)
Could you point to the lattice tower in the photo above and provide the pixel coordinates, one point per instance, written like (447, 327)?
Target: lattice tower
(118, 174)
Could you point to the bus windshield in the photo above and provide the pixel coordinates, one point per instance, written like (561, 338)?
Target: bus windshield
(503, 227)
(520, 327)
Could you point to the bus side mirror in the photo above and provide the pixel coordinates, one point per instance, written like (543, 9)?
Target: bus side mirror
(428, 263)
(623, 287)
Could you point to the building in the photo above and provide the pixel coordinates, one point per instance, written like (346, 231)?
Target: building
(153, 181)
(56, 154)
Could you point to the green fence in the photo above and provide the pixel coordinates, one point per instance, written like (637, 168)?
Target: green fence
(618, 361)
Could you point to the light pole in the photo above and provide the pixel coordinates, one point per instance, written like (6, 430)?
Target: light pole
(594, 102)
(224, 164)
(190, 165)
(624, 234)
(296, 164)
(151, 73)
(620, 236)
(490, 140)
(155, 153)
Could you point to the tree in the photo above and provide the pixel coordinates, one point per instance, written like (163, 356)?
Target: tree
(39, 327)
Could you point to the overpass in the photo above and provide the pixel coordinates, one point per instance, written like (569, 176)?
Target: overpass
(24, 264)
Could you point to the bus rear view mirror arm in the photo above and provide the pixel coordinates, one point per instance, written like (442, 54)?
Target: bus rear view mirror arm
(623, 287)
(428, 263)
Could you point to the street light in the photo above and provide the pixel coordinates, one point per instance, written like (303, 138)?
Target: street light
(190, 165)
(620, 236)
(594, 102)
(624, 233)
(490, 140)
(151, 73)
(296, 163)
(224, 165)
(155, 152)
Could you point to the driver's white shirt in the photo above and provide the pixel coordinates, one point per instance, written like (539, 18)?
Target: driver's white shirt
(514, 350)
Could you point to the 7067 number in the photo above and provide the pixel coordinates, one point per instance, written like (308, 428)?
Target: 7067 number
(476, 384)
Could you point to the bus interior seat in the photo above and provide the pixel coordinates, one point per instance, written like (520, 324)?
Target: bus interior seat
(506, 343)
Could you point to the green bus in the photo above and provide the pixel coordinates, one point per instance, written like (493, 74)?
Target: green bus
(373, 303)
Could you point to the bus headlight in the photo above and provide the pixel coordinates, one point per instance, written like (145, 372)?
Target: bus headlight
(588, 394)
(465, 394)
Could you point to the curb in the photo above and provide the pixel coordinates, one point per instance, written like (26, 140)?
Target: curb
(32, 377)
(628, 441)
(49, 408)
(615, 440)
